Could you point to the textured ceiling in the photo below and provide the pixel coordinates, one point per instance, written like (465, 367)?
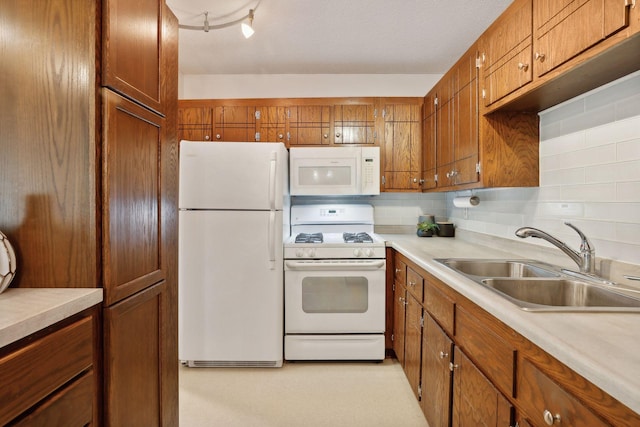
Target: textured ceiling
(332, 36)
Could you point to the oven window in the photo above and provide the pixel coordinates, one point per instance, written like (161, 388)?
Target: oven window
(335, 294)
(325, 175)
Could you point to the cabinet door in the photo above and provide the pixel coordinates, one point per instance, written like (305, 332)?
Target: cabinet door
(429, 140)
(402, 147)
(234, 123)
(132, 200)
(413, 343)
(271, 124)
(133, 374)
(475, 401)
(565, 28)
(354, 124)
(399, 310)
(544, 400)
(309, 125)
(131, 49)
(437, 352)
(506, 52)
(466, 140)
(195, 123)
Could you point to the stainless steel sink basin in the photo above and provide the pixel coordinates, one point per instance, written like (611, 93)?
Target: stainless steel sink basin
(562, 293)
(536, 286)
(498, 268)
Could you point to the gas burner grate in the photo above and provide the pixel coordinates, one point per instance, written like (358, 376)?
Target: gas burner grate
(309, 238)
(357, 238)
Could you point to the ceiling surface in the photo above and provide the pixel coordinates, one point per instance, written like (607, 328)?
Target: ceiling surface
(332, 36)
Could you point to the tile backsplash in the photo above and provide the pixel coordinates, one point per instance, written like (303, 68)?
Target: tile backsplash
(589, 175)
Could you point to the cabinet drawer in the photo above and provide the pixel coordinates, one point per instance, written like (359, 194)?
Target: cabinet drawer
(494, 355)
(33, 372)
(541, 397)
(400, 272)
(415, 284)
(440, 306)
(70, 407)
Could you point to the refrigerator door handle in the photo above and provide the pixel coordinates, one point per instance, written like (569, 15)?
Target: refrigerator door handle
(272, 179)
(272, 240)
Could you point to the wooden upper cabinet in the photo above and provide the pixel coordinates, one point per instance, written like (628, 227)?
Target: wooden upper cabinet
(195, 123)
(429, 141)
(465, 119)
(354, 124)
(402, 147)
(132, 240)
(132, 48)
(271, 124)
(563, 29)
(234, 123)
(309, 125)
(506, 52)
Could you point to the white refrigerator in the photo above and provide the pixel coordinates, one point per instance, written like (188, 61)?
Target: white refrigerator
(234, 215)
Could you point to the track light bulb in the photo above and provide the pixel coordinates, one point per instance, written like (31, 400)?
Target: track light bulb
(247, 29)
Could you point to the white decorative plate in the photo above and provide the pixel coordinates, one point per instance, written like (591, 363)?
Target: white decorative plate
(7, 262)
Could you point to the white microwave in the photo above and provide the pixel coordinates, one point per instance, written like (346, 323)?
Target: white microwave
(334, 171)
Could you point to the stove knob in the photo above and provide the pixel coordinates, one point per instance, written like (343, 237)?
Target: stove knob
(311, 252)
(368, 252)
(299, 253)
(357, 252)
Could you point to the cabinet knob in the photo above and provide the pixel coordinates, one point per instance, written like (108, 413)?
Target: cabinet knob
(412, 284)
(206, 137)
(421, 181)
(338, 135)
(218, 136)
(549, 418)
(452, 366)
(398, 270)
(325, 135)
(539, 56)
(415, 180)
(523, 67)
(443, 355)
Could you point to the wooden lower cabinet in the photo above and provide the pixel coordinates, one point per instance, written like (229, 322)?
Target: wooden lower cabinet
(437, 351)
(399, 304)
(133, 375)
(476, 402)
(412, 343)
(468, 368)
(50, 378)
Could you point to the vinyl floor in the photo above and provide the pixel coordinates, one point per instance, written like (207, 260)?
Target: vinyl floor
(300, 394)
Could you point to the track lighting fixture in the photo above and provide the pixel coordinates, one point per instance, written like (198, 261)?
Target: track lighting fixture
(246, 23)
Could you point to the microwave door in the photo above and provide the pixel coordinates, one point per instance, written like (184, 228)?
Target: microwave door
(324, 176)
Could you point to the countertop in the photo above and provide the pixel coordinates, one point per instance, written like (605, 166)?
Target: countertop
(24, 311)
(602, 347)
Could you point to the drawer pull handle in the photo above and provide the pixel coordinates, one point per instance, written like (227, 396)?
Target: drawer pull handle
(443, 355)
(549, 418)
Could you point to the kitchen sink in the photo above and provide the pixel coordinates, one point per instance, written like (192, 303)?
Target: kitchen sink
(562, 293)
(536, 286)
(498, 268)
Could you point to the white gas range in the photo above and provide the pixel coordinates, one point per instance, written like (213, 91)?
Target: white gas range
(334, 284)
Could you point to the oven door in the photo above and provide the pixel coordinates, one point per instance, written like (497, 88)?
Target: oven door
(334, 296)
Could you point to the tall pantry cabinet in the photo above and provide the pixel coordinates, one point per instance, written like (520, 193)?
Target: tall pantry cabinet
(88, 177)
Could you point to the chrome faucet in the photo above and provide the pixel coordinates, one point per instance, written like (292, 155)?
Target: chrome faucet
(585, 258)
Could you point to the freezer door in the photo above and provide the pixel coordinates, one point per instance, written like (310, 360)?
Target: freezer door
(233, 175)
(230, 286)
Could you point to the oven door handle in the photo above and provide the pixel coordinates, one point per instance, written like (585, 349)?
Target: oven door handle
(335, 265)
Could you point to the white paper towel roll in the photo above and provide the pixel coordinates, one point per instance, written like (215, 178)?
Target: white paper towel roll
(466, 202)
